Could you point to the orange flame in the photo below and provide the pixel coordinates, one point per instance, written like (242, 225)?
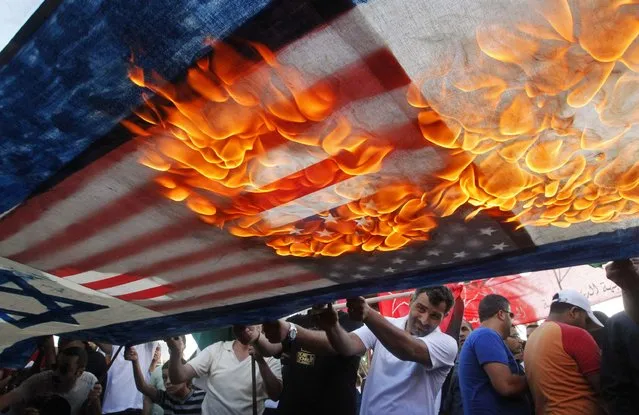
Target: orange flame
(530, 123)
(212, 138)
(543, 114)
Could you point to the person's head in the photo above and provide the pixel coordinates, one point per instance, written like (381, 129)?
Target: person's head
(602, 317)
(70, 365)
(428, 306)
(464, 332)
(495, 312)
(531, 328)
(570, 307)
(246, 334)
(67, 342)
(516, 347)
(177, 389)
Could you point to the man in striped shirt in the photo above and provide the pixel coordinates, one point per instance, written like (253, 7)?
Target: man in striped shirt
(181, 398)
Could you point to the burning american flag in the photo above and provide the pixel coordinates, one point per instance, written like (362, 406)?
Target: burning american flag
(314, 149)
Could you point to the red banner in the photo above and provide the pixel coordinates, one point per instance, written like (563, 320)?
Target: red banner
(529, 294)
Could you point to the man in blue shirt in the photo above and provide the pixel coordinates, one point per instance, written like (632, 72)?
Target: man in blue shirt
(490, 379)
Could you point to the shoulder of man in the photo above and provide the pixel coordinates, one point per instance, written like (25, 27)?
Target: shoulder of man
(38, 379)
(442, 338)
(88, 377)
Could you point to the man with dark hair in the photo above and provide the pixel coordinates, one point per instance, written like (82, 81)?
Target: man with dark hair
(530, 329)
(490, 379)
(411, 356)
(562, 359)
(121, 397)
(156, 380)
(68, 381)
(226, 366)
(452, 400)
(620, 360)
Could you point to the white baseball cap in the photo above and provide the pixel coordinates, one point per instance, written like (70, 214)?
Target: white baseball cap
(575, 298)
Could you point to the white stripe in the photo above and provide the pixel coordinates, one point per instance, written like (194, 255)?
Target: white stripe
(90, 276)
(218, 264)
(400, 163)
(245, 281)
(290, 289)
(377, 113)
(115, 182)
(133, 287)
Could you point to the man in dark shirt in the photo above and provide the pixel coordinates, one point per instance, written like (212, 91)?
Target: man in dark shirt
(315, 384)
(620, 361)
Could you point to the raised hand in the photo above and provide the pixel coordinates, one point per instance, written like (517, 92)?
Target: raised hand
(256, 354)
(358, 309)
(276, 331)
(325, 316)
(130, 354)
(175, 345)
(94, 394)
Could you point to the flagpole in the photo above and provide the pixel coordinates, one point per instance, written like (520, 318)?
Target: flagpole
(372, 300)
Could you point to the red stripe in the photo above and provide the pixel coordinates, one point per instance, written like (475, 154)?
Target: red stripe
(236, 292)
(163, 267)
(112, 282)
(33, 208)
(356, 83)
(213, 277)
(146, 294)
(117, 211)
(155, 238)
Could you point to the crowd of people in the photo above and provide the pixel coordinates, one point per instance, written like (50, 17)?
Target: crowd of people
(572, 363)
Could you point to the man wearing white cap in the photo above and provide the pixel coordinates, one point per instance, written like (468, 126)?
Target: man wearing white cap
(562, 359)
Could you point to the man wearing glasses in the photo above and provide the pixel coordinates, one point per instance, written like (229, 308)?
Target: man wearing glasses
(562, 359)
(490, 379)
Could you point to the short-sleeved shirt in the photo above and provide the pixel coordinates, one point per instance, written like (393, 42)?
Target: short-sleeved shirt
(309, 378)
(41, 385)
(158, 383)
(190, 405)
(394, 386)
(484, 346)
(121, 393)
(558, 358)
(229, 387)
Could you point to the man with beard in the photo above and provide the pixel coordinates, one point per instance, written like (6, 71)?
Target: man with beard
(491, 381)
(411, 356)
(620, 360)
(68, 386)
(179, 398)
(227, 369)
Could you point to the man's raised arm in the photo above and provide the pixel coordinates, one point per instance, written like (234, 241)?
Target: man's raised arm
(332, 340)
(178, 372)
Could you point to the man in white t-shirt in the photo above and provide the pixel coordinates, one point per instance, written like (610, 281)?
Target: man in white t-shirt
(121, 396)
(411, 356)
(227, 369)
(68, 389)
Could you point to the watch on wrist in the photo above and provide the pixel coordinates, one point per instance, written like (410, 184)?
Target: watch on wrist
(292, 333)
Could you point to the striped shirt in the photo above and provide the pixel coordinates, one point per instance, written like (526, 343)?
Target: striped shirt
(191, 404)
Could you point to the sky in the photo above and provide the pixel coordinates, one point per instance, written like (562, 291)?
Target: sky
(13, 14)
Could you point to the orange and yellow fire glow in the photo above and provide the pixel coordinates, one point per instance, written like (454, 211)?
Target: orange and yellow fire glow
(211, 139)
(545, 112)
(509, 123)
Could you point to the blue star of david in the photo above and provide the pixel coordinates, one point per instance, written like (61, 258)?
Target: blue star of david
(55, 312)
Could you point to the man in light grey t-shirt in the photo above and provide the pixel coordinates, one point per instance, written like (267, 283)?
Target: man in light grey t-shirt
(68, 385)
